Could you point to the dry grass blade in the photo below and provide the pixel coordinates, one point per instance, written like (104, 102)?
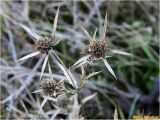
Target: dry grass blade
(88, 35)
(42, 104)
(92, 74)
(12, 44)
(7, 99)
(44, 65)
(104, 27)
(31, 33)
(88, 98)
(115, 114)
(109, 67)
(16, 110)
(30, 55)
(121, 52)
(55, 22)
(84, 58)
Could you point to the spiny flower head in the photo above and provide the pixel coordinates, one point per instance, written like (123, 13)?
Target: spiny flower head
(44, 44)
(96, 49)
(52, 88)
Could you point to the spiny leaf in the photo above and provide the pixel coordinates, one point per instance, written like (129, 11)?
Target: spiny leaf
(37, 91)
(94, 36)
(42, 104)
(88, 35)
(120, 52)
(33, 34)
(55, 22)
(29, 55)
(92, 74)
(88, 98)
(65, 70)
(82, 60)
(67, 74)
(44, 65)
(104, 27)
(57, 41)
(109, 67)
(50, 71)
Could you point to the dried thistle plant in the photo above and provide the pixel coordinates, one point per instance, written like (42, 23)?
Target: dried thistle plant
(51, 89)
(98, 48)
(44, 45)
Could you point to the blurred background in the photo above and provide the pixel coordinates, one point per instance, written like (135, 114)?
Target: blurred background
(133, 26)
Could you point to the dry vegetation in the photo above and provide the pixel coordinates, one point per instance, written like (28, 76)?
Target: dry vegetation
(132, 26)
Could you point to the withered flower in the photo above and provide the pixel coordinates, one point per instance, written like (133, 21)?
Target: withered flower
(43, 45)
(52, 88)
(98, 48)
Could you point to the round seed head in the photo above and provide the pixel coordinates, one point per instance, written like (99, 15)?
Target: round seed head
(44, 44)
(96, 48)
(52, 88)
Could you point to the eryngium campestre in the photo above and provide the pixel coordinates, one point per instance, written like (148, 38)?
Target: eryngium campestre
(52, 88)
(96, 48)
(44, 44)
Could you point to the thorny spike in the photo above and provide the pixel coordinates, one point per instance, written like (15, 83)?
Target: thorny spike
(55, 22)
(88, 35)
(31, 33)
(109, 67)
(50, 71)
(29, 55)
(94, 36)
(104, 27)
(44, 65)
